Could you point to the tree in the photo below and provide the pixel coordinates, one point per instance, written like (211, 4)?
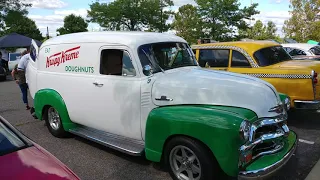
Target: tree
(223, 18)
(131, 14)
(17, 22)
(271, 30)
(7, 6)
(260, 31)
(187, 23)
(304, 22)
(73, 24)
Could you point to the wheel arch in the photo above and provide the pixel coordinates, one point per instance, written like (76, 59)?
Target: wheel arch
(167, 122)
(46, 98)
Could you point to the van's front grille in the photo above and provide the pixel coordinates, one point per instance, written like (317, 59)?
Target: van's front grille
(267, 137)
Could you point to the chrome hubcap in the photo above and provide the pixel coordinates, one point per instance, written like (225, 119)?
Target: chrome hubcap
(184, 163)
(54, 118)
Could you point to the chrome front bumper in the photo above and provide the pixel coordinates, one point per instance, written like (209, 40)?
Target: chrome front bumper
(312, 105)
(270, 170)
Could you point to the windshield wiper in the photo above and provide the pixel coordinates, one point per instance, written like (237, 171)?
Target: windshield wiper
(149, 58)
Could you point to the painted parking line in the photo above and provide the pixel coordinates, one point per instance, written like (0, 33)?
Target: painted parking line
(305, 141)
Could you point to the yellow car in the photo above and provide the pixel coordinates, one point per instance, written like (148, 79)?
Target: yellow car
(269, 61)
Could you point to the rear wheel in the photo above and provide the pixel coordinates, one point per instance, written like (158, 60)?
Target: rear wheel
(187, 159)
(54, 123)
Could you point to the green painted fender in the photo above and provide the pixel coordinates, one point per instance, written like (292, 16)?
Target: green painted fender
(283, 96)
(50, 97)
(215, 126)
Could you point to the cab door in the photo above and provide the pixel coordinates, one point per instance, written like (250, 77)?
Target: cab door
(218, 59)
(239, 63)
(31, 71)
(116, 93)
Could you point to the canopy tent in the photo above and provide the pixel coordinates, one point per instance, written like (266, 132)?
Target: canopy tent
(16, 40)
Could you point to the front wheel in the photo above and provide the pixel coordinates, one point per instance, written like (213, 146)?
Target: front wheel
(54, 123)
(187, 159)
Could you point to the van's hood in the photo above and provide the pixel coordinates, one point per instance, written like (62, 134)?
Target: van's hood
(299, 64)
(193, 85)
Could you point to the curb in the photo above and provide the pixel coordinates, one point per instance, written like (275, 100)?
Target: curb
(315, 172)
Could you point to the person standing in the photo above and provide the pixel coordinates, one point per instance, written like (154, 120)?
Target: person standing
(19, 75)
(4, 59)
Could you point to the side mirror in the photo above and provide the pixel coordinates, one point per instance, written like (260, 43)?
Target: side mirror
(147, 70)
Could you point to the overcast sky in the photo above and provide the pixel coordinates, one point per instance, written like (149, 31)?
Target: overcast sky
(51, 12)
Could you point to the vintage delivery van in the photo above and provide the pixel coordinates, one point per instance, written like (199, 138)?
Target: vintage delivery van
(145, 94)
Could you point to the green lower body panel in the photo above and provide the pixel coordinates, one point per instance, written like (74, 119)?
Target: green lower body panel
(267, 165)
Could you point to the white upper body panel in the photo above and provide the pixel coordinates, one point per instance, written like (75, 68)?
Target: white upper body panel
(303, 46)
(131, 38)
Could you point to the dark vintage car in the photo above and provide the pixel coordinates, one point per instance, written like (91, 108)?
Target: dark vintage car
(21, 158)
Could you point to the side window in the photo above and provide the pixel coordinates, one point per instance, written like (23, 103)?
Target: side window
(296, 52)
(33, 53)
(214, 58)
(239, 60)
(116, 62)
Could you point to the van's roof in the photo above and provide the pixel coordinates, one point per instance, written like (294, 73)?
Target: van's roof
(128, 38)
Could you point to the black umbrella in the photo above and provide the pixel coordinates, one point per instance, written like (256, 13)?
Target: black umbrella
(16, 40)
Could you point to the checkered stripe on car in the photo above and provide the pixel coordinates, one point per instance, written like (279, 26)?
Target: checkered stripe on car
(288, 76)
(252, 62)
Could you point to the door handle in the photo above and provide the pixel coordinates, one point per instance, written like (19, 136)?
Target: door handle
(97, 84)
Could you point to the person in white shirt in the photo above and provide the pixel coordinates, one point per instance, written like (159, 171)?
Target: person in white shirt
(19, 75)
(4, 59)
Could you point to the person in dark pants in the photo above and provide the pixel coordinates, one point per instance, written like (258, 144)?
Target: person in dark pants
(19, 76)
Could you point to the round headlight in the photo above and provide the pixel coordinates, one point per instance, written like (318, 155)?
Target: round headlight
(287, 103)
(245, 129)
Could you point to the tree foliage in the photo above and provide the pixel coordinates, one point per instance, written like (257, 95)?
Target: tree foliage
(222, 19)
(17, 22)
(7, 6)
(259, 31)
(304, 23)
(131, 14)
(187, 23)
(73, 24)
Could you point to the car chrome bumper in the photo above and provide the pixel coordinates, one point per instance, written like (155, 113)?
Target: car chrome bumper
(306, 104)
(270, 170)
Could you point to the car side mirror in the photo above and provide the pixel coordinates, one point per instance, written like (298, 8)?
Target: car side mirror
(147, 70)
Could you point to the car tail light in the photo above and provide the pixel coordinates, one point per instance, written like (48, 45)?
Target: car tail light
(314, 77)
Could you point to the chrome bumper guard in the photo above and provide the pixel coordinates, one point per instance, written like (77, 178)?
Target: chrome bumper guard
(270, 170)
(315, 105)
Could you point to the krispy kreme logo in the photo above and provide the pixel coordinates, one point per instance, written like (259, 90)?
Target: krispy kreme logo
(62, 57)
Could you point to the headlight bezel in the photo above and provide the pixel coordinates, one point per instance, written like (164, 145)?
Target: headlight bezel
(287, 103)
(245, 130)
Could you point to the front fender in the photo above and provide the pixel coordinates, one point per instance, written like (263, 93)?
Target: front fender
(50, 97)
(215, 126)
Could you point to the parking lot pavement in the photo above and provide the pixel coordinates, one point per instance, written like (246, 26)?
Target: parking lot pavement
(92, 161)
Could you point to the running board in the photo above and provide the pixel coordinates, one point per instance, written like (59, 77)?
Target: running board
(123, 144)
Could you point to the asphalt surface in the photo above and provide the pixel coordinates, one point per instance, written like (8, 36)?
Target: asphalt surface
(92, 161)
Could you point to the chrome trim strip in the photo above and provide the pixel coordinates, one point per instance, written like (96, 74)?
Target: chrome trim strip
(269, 170)
(307, 102)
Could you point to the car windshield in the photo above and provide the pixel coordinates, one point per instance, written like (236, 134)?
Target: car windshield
(271, 55)
(315, 50)
(165, 56)
(9, 141)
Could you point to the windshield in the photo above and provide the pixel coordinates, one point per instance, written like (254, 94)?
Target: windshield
(271, 55)
(9, 141)
(166, 56)
(315, 50)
